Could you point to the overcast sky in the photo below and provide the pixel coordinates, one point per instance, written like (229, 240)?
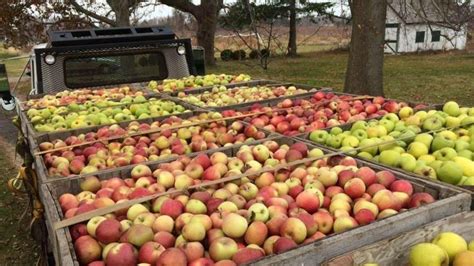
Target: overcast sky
(163, 10)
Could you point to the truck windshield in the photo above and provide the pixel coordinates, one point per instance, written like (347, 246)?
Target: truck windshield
(98, 70)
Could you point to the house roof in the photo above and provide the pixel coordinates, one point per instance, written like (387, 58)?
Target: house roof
(428, 11)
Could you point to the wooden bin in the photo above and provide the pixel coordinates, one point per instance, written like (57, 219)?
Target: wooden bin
(467, 189)
(30, 130)
(310, 91)
(395, 251)
(134, 86)
(449, 201)
(44, 176)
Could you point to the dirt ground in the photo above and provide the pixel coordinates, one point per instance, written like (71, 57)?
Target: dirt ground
(17, 247)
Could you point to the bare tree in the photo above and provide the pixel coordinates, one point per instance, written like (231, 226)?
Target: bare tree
(206, 16)
(364, 73)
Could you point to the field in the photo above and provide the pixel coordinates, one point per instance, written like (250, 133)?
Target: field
(428, 77)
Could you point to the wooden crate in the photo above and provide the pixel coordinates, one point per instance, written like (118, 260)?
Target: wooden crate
(310, 91)
(395, 251)
(134, 87)
(35, 134)
(467, 189)
(449, 201)
(44, 177)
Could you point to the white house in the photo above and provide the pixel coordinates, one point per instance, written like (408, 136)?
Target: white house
(417, 25)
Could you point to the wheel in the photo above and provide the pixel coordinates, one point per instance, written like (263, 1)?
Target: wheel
(8, 105)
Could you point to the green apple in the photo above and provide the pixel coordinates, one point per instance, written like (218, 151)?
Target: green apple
(372, 132)
(427, 158)
(359, 125)
(451, 108)
(445, 154)
(360, 134)
(450, 172)
(424, 138)
(451, 242)
(435, 165)
(466, 154)
(413, 121)
(389, 157)
(336, 131)
(467, 165)
(452, 121)
(469, 182)
(365, 155)
(390, 145)
(407, 135)
(319, 136)
(405, 112)
(461, 145)
(417, 149)
(433, 122)
(422, 114)
(350, 141)
(395, 133)
(448, 134)
(425, 171)
(368, 145)
(440, 142)
(407, 162)
(392, 117)
(399, 126)
(468, 121)
(427, 254)
(389, 125)
(334, 141)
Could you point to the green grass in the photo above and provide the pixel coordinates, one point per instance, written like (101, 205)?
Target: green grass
(432, 78)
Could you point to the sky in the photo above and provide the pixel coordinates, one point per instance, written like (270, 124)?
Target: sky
(164, 11)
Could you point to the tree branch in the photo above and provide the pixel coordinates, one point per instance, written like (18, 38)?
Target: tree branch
(91, 14)
(183, 5)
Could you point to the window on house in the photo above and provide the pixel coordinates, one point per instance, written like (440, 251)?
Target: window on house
(420, 36)
(435, 36)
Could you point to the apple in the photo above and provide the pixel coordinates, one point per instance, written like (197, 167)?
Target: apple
(87, 249)
(108, 231)
(234, 225)
(139, 234)
(246, 255)
(294, 229)
(172, 256)
(222, 248)
(150, 252)
(165, 239)
(172, 208)
(283, 244)
(259, 212)
(194, 231)
(344, 223)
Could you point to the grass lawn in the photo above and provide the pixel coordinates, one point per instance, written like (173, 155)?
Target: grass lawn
(432, 78)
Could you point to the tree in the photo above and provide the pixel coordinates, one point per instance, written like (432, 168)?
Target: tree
(237, 15)
(41, 15)
(364, 73)
(206, 15)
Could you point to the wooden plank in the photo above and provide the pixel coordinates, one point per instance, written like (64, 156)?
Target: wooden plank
(319, 251)
(395, 251)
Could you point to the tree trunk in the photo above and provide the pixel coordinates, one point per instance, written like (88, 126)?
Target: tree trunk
(365, 66)
(121, 9)
(292, 33)
(207, 23)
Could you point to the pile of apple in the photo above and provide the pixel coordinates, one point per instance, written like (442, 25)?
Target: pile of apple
(141, 148)
(67, 97)
(447, 248)
(76, 116)
(233, 223)
(446, 155)
(170, 85)
(323, 109)
(221, 96)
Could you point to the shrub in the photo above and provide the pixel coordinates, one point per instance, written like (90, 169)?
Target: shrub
(226, 55)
